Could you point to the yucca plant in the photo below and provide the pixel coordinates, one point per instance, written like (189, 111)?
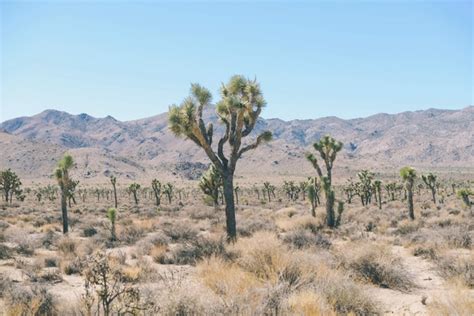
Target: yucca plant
(464, 195)
(378, 192)
(239, 108)
(10, 184)
(168, 191)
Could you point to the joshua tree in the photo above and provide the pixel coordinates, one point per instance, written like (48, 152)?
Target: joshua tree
(464, 194)
(313, 189)
(65, 184)
(112, 215)
(378, 192)
(267, 187)
(168, 191)
(71, 192)
(113, 180)
(430, 181)
(10, 184)
(236, 191)
(408, 175)
(210, 183)
(303, 189)
(340, 210)
(327, 148)
(239, 108)
(291, 190)
(133, 188)
(365, 178)
(156, 186)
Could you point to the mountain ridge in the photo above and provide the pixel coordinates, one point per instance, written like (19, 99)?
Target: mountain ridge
(147, 147)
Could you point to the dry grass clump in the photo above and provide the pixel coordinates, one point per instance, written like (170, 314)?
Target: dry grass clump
(375, 263)
(457, 301)
(266, 274)
(34, 300)
(180, 231)
(308, 302)
(302, 238)
(457, 267)
(193, 250)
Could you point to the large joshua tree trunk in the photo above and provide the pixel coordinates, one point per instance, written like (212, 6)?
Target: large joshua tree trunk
(64, 213)
(330, 217)
(230, 206)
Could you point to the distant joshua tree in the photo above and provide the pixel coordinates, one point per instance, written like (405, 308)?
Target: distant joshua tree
(430, 181)
(313, 189)
(239, 108)
(464, 194)
(113, 180)
(168, 191)
(156, 186)
(66, 184)
(408, 175)
(378, 192)
(10, 184)
(133, 188)
(327, 148)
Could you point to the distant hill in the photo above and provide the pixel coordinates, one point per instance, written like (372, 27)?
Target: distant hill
(145, 148)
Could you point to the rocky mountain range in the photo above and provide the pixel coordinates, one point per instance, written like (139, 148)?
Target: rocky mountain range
(145, 148)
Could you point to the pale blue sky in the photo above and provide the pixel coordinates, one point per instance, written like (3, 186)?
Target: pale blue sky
(134, 59)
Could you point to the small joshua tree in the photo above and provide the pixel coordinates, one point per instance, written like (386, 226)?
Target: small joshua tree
(210, 183)
(464, 195)
(267, 188)
(156, 186)
(113, 180)
(10, 184)
(327, 148)
(112, 215)
(168, 191)
(313, 189)
(133, 188)
(378, 192)
(430, 181)
(408, 175)
(365, 178)
(239, 108)
(66, 184)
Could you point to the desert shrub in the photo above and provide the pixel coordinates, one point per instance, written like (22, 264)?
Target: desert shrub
(25, 248)
(74, 266)
(181, 232)
(29, 301)
(457, 301)
(459, 238)
(49, 239)
(308, 302)
(5, 252)
(457, 267)
(343, 295)
(51, 262)
(130, 234)
(89, 231)
(249, 226)
(197, 249)
(67, 246)
(303, 239)
(406, 227)
(375, 263)
(234, 286)
(426, 252)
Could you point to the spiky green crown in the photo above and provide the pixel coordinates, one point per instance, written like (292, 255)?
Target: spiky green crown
(408, 173)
